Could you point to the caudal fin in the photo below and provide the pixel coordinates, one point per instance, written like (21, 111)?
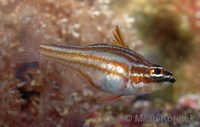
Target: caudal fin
(30, 41)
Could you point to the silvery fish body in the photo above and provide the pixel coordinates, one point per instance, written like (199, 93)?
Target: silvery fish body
(112, 68)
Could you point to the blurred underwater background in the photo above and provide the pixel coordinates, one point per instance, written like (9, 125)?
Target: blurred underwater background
(166, 32)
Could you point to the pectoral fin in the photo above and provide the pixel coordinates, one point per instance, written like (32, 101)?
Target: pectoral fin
(73, 80)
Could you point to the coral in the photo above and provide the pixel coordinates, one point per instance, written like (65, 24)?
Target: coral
(33, 94)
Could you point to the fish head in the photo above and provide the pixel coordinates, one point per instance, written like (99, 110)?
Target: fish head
(148, 79)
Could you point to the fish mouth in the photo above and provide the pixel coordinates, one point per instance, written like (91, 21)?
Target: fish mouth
(171, 79)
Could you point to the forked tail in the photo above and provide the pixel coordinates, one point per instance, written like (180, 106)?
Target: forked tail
(30, 42)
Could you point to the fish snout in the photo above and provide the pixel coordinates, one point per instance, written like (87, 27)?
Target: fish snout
(172, 79)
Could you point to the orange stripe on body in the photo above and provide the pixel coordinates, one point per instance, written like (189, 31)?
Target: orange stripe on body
(120, 51)
(126, 53)
(89, 57)
(140, 69)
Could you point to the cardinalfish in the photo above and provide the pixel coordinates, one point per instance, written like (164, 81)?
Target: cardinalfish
(110, 67)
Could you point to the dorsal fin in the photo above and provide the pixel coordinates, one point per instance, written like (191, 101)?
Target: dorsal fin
(116, 37)
(90, 34)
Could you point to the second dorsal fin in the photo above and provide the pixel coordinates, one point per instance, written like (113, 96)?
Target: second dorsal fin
(91, 35)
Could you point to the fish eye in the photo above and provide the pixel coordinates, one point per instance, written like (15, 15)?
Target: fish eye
(157, 71)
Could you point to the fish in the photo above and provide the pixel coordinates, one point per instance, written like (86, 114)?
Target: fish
(110, 67)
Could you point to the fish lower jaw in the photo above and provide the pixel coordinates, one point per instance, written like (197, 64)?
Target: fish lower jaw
(144, 88)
